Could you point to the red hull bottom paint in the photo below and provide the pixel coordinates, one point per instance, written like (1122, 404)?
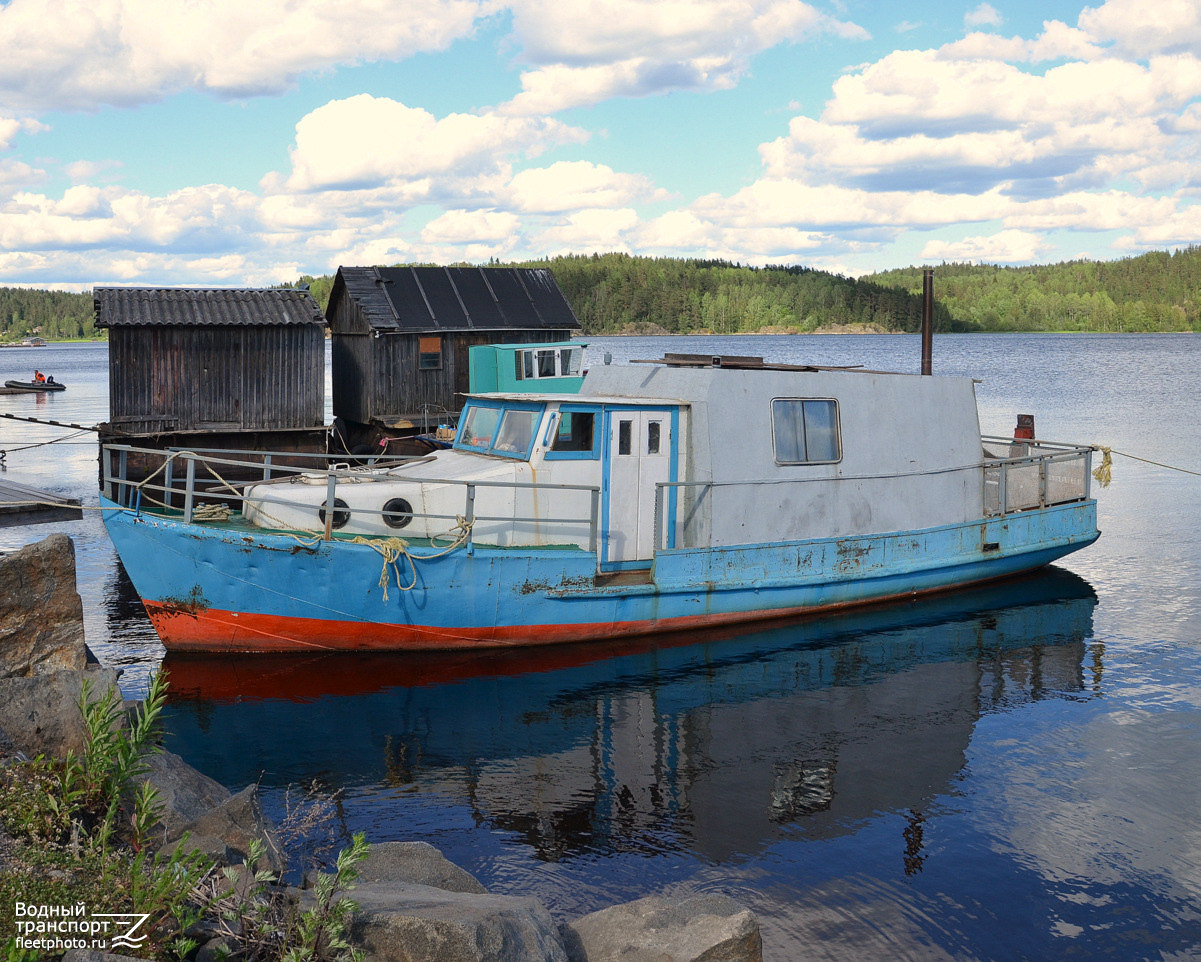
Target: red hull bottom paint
(212, 630)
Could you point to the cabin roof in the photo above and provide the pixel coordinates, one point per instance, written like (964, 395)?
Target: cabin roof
(610, 399)
(204, 307)
(421, 299)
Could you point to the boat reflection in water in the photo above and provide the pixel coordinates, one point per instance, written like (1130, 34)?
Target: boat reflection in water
(716, 747)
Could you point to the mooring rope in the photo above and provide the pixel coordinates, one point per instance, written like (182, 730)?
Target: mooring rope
(1104, 473)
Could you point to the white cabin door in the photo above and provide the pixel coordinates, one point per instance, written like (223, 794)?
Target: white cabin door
(638, 456)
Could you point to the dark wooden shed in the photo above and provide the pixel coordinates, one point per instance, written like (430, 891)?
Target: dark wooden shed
(401, 335)
(213, 360)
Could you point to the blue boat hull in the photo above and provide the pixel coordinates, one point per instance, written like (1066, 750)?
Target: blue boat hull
(208, 588)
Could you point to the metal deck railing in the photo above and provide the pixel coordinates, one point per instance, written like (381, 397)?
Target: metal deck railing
(153, 481)
(1014, 475)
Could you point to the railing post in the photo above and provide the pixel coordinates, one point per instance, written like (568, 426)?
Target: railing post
(1088, 472)
(470, 516)
(106, 463)
(1044, 474)
(594, 520)
(189, 489)
(168, 480)
(122, 473)
(266, 467)
(1003, 488)
(331, 485)
(657, 524)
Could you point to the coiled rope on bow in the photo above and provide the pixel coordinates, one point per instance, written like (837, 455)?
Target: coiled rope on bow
(393, 549)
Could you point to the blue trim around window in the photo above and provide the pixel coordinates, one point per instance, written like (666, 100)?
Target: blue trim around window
(502, 407)
(597, 431)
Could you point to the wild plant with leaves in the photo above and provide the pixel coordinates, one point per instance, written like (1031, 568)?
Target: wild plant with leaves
(87, 823)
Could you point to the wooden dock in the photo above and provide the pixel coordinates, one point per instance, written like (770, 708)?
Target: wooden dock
(20, 504)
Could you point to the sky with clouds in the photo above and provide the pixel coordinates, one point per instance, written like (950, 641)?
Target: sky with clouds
(227, 143)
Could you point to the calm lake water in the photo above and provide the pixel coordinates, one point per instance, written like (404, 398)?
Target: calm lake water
(1008, 773)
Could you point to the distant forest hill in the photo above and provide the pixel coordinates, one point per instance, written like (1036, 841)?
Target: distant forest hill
(1158, 291)
(620, 294)
(617, 293)
(54, 315)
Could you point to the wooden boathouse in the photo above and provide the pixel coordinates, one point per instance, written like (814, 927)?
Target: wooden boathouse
(214, 367)
(401, 336)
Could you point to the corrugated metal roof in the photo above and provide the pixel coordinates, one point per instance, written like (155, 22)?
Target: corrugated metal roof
(413, 299)
(203, 307)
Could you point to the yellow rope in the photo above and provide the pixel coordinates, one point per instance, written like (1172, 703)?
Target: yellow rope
(211, 512)
(1103, 474)
(392, 549)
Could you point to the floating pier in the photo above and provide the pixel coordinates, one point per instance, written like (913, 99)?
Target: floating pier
(21, 504)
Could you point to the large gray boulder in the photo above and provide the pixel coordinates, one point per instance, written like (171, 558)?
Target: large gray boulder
(41, 713)
(41, 613)
(185, 793)
(703, 928)
(401, 922)
(418, 863)
(235, 822)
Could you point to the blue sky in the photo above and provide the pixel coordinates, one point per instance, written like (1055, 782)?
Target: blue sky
(220, 142)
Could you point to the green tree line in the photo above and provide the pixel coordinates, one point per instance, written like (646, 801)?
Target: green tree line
(54, 315)
(1158, 291)
(612, 293)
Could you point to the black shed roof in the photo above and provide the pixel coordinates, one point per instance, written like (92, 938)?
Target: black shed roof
(203, 307)
(413, 299)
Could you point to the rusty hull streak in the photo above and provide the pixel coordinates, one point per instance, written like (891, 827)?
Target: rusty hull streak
(189, 605)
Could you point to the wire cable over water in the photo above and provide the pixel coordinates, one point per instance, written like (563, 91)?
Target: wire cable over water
(1104, 473)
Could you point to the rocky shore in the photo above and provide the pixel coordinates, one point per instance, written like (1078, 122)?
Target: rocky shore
(412, 904)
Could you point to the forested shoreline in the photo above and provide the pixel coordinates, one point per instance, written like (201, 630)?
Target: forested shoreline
(622, 294)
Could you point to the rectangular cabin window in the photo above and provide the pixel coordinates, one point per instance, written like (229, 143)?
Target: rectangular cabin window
(546, 363)
(575, 435)
(625, 437)
(527, 364)
(570, 359)
(429, 351)
(516, 432)
(652, 436)
(805, 431)
(574, 432)
(479, 426)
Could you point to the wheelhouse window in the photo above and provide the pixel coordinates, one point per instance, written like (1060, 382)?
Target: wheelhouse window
(516, 432)
(805, 430)
(479, 427)
(574, 435)
(504, 430)
(429, 353)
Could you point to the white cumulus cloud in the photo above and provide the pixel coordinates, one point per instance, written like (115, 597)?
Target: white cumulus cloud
(583, 53)
(79, 54)
(367, 142)
(985, 15)
(1004, 247)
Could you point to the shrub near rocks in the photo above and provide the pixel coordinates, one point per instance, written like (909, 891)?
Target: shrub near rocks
(82, 830)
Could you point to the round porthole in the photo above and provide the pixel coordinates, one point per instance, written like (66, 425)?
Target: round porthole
(341, 513)
(397, 513)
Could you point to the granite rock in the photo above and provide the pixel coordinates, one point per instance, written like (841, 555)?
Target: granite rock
(703, 928)
(41, 613)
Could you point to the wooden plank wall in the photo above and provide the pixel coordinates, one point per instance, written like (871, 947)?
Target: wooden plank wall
(165, 378)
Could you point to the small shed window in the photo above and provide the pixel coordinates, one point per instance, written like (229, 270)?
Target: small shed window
(429, 351)
(805, 431)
